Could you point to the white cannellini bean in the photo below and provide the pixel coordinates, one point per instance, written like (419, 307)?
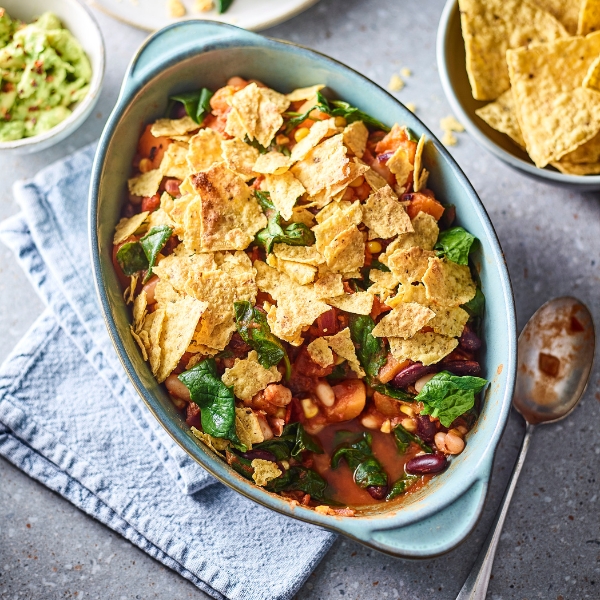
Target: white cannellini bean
(420, 383)
(176, 388)
(324, 393)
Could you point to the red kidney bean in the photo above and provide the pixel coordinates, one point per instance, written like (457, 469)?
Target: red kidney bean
(172, 187)
(128, 210)
(379, 492)
(150, 203)
(462, 367)
(413, 372)
(469, 340)
(425, 428)
(426, 463)
(192, 417)
(238, 345)
(262, 454)
(178, 111)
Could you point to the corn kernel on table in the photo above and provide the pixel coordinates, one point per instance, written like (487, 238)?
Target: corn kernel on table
(550, 546)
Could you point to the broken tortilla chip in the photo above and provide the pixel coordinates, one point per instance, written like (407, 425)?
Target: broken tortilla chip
(300, 273)
(126, 227)
(316, 133)
(359, 303)
(272, 162)
(346, 252)
(264, 471)
(403, 321)
(320, 352)
(247, 427)
(308, 255)
(170, 127)
(425, 236)
(239, 157)
(248, 376)
(409, 265)
(448, 283)
(589, 17)
(284, 190)
(146, 184)
(204, 149)
(355, 138)
(449, 321)
(341, 343)
(427, 348)
(174, 162)
(305, 93)
(329, 285)
(384, 214)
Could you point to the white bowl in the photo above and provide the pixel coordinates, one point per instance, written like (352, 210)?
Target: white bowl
(80, 22)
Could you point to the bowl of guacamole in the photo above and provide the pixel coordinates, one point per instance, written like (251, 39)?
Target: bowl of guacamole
(51, 67)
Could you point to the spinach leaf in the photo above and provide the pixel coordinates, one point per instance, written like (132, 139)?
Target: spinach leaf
(295, 234)
(476, 306)
(254, 329)
(371, 351)
(240, 464)
(215, 399)
(455, 244)
(375, 264)
(299, 479)
(404, 439)
(390, 391)
(359, 456)
(152, 243)
(256, 144)
(196, 103)
(338, 108)
(401, 486)
(223, 5)
(292, 442)
(448, 396)
(132, 258)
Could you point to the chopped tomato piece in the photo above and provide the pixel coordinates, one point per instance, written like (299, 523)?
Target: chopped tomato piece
(420, 202)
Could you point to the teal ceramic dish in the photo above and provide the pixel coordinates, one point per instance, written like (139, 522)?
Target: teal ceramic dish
(455, 81)
(180, 58)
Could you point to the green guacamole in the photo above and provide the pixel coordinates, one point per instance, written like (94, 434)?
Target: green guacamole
(43, 73)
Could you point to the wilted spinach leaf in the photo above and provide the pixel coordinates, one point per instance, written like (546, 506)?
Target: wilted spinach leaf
(404, 439)
(240, 464)
(401, 486)
(476, 306)
(294, 234)
(390, 391)
(292, 442)
(254, 329)
(448, 396)
(215, 399)
(131, 258)
(196, 103)
(299, 479)
(359, 456)
(371, 351)
(152, 243)
(455, 244)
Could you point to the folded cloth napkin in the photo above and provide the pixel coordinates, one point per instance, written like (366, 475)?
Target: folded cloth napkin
(70, 418)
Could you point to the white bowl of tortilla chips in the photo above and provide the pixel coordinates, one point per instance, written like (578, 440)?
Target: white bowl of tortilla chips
(525, 85)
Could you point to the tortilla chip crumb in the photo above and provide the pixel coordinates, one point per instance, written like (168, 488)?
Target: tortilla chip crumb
(175, 9)
(411, 106)
(324, 510)
(396, 83)
(217, 445)
(405, 72)
(203, 5)
(341, 343)
(127, 227)
(247, 427)
(264, 471)
(320, 352)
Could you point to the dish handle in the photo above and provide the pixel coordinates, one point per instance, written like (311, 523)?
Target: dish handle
(174, 43)
(438, 533)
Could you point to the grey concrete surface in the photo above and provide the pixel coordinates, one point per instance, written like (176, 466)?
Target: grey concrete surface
(550, 547)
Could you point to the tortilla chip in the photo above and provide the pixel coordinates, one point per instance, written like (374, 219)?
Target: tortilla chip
(501, 116)
(174, 162)
(281, 101)
(284, 190)
(302, 215)
(565, 11)
(165, 292)
(346, 252)
(240, 157)
(146, 184)
(385, 284)
(329, 285)
(556, 114)
(300, 273)
(448, 283)
(156, 324)
(403, 321)
(272, 162)
(139, 310)
(247, 427)
(339, 218)
(304, 93)
(248, 377)
(427, 348)
(308, 255)
(176, 268)
(425, 236)
(589, 17)
(319, 352)
(490, 28)
(384, 214)
(355, 138)
(409, 265)
(410, 293)
(317, 132)
(297, 305)
(129, 293)
(325, 165)
(420, 174)
(335, 192)
(591, 80)
(341, 344)
(139, 342)
(399, 164)
(359, 303)
(230, 214)
(569, 168)
(217, 445)
(127, 227)
(159, 217)
(170, 127)
(375, 180)
(264, 471)
(234, 125)
(449, 321)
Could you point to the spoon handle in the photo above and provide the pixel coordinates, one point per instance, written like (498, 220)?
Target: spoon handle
(475, 587)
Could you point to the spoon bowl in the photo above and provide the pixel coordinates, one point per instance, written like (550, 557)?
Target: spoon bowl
(555, 356)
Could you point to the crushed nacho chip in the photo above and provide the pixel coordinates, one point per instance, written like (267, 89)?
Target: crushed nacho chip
(155, 321)
(129, 293)
(399, 164)
(165, 292)
(555, 112)
(264, 471)
(217, 445)
(247, 427)
(302, 215)
(325, 165)
(234, 125)
(359, 303)
(384, 284)
(317, 132)
(396, 83)
(409, 265)
(127, 227)
(335, 192)
(140, 342)
(449, 321)
(330, 285)
(570, 168)
(174, 163)
(355, 138)
(384, 214)
(448, 283)
(301, 273)
(425, 235)
(169, 127)
(592, 77)
(589, 17)
(139, 310)
(248, 376)
(374, 179)
(501, 116)
(490, 28)
(272, 162)
(409, 293)
(204, 149)
(284, 190)
(240, 157)
(146, 184)
(308, 255)
(427, 348)
(320, 352)
(338, 219)
(230, 215)
(346, 252)
(420, 174)
(175, 9)
(403, 321)
(341, 343)
(304, 93)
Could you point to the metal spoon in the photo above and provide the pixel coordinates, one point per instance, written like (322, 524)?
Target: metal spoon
(556, 351)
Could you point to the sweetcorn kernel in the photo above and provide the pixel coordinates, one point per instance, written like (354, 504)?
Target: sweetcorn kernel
(374, 247)
(310, 408)
(301, 133)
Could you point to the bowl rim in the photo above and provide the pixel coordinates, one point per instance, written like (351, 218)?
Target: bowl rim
(349, 526)
(82, 109)
(442, 58)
